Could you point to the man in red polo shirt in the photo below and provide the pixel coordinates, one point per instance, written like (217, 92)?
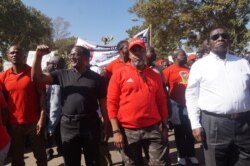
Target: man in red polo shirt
(25, 100)
(123, 58)
(136, 105)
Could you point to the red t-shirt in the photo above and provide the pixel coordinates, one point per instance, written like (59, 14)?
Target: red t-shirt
(136, 101)
(176, 78)
(4, 136)
(23, 98)
(113, 66)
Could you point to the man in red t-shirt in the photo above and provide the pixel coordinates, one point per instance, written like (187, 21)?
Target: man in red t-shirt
(122, 59)
(4, 138)
(176, 77)
(136, 105)
(26, 106)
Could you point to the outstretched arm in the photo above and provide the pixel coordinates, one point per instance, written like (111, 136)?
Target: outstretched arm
(36, 72)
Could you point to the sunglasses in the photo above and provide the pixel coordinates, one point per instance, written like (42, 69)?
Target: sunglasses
(216, 36)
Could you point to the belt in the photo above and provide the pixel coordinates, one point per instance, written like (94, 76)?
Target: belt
(229, 116)
(77, 116)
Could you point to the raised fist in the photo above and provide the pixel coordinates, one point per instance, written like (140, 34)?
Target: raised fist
(42, 50)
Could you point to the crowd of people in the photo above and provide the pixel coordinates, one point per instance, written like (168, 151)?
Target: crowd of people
(205, 96)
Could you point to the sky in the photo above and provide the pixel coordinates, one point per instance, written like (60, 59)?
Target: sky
(90, 19)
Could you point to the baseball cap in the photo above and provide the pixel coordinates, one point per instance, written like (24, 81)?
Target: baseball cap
(136, 41)
(192, 57)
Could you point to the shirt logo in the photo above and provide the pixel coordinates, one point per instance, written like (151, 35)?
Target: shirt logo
(130, 80)
(184, 77)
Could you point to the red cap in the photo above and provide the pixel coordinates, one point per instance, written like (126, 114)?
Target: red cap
(192, 57)
(136, 41)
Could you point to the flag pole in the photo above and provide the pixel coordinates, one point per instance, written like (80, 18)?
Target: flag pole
(150, 35)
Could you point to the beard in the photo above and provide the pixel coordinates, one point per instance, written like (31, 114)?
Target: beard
(138, 63)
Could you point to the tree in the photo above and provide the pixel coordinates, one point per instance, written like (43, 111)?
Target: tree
(175, 21)
(60, 28)
(65, 45)
(106, 39)
(22, 25)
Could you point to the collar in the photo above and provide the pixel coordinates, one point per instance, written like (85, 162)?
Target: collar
(11, 71)
(215, 56)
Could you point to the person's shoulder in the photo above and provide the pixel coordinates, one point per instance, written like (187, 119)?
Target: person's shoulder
(5, 73)
(170, 68)
(235, 57)
(124, 68)
(94, 74)
(110, 65)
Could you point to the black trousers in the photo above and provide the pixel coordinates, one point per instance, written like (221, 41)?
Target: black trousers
(227, 140)
(79, 137)
(184, 138)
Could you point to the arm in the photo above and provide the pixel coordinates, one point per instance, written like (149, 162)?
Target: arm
(103, 106)
(161, 101)
(117, 135)
(192, 97)
(36, 71)
(54, 108)
(113, 106)
(3, 109)
(41, 121)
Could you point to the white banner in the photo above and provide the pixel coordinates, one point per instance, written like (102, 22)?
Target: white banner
(45, 59)
(101, 55)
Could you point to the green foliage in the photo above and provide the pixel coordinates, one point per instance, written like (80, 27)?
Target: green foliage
(175, 21)
(64, 45)
(22, 25)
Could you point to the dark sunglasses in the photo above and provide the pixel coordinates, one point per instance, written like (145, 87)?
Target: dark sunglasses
(216, 36)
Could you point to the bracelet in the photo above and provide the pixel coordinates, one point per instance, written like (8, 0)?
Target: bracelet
(116, 131)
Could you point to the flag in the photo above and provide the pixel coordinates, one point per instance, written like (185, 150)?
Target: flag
(144, 34)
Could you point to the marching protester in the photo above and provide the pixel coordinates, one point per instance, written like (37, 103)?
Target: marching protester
(5, 138)
(105, 156)
(54, 108)
(137, 106)
(150, 60)
(81, 88)
(176, 76)
(122, 59)
(26, 106)
(217, 98)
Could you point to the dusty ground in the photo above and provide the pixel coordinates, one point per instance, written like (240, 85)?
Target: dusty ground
(58, 161)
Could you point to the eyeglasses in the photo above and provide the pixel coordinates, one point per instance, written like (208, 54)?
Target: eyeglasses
(223, 35)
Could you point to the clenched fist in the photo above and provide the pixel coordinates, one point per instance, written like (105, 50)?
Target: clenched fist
(42, 50)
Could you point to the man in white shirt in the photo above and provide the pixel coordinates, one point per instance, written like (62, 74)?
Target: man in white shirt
(218, 103)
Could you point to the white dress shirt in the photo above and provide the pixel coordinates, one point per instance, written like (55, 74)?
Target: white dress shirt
(218, 86)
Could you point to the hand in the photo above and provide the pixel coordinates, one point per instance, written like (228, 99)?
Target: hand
(199, 134)
(42, 50)
(105, 131)
(118, 140)
(39, 126)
